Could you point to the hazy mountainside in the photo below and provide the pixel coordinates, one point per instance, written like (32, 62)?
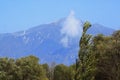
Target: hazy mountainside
(46, 42)
(100, 29)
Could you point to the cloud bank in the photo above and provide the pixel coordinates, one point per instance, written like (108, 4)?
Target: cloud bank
(72, 28)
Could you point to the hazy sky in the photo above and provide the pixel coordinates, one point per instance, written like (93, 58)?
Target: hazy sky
(16, 15)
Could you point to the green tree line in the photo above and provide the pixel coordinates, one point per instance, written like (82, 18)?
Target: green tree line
(29, 68)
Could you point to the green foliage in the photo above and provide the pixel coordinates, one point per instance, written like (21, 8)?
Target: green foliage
(27, 68)
(107, 49)
(99, 57)
(85, 66)
(47, 70)
(102, 61)
(62, 72)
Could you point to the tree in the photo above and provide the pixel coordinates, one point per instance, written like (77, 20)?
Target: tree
(85, 65)
(6, 68)
(51, 70)
(31, 69)
(62, 72)
(27, 68)
(47, 70)
(107, 49)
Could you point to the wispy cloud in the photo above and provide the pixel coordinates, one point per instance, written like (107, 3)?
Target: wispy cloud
(64, 41)
(72, 28)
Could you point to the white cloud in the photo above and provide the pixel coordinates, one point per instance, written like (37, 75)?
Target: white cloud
(72, 28)
(64, 41)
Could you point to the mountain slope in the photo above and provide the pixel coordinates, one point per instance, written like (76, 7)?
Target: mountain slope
(100, 29)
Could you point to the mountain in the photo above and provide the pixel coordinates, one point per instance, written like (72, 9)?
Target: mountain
(46, 42)
(100, 29)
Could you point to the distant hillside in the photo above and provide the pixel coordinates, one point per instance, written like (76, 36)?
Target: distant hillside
(100, 29)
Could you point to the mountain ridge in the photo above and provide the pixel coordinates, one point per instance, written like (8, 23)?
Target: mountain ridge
(45, 42)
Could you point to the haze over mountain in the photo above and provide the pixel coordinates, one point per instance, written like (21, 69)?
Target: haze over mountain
(54, 42)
